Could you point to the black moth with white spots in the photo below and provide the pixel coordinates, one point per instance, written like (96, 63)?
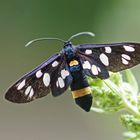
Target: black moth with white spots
(70, 67)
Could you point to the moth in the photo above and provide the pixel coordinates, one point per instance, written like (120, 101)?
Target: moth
(70, 67)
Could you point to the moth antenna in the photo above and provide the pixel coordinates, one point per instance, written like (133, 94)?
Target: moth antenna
(41, 39)
(81, 33)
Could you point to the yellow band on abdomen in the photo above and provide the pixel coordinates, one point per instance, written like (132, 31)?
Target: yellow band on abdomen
(81, 92)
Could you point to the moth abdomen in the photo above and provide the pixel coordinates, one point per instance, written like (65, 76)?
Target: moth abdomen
(85, 102)
(81, 91)
(83, 98)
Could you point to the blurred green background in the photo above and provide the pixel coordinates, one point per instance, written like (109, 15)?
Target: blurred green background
(58, 118)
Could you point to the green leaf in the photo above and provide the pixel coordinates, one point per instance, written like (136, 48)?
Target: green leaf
(115, 94)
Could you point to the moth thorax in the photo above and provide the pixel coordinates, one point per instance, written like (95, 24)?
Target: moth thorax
(73, 63)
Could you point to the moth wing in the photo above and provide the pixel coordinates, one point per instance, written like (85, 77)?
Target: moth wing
(61, 79)
(115, 57)
(36, 83)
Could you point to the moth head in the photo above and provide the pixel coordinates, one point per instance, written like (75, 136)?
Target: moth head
(69, 50)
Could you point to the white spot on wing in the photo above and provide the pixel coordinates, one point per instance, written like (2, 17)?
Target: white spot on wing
(98, 69)
(64, 73)
(94, 70)
(31, 93)
(21, 85)
(27, 91)
(104, 59)
(39, 74)
(108, 50)
(124, 61)
(57, 83)
(46, 79)
(86, 65)
(55, 63)
(129, 48)
(88, 52)
(125, 56)
(61, 82)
